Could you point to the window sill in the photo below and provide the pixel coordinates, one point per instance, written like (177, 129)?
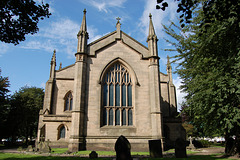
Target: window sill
(67, 111)
(117, 127)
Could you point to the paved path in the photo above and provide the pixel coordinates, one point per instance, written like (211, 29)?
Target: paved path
(11, 150)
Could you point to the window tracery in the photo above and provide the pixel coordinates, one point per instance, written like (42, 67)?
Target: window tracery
(68, 102)
(117, 97)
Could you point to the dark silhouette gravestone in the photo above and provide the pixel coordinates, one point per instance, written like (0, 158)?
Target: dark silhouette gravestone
(93, 155)
(180, 148)
(155, 148)
(229, 145)
(123, 149)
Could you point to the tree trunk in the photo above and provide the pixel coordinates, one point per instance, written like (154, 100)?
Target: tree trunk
(232, 145)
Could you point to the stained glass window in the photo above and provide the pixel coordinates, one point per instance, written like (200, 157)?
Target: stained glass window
(124, 117)
(68, 102)
(130, 117)
(111, 116)
(117, 96)
(62, 132)
(117, 116)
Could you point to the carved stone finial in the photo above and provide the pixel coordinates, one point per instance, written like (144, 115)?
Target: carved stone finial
(150, 15)
(54, 56)
(168, 59)
(168, 63)
(60, 66)
(118, 25)
(118, 19)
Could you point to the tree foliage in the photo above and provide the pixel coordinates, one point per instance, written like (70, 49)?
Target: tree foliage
(23, 115)
(4, 85)
(209, 65)
(20, 17)
(213, 10)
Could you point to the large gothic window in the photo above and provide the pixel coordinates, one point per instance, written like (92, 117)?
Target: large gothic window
(117, 97)
(68, 102)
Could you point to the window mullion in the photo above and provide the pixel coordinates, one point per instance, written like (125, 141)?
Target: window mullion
(114, 116)
(108, 97)
(127, 116)
(107, 116)
(126, 95)
(120, 109)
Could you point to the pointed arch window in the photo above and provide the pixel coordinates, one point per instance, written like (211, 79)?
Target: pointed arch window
(117, 97)
(61, 131)
(68, 102)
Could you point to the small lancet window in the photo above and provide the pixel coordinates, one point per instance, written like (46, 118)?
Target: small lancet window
(61, 132)
(68, 102)
(117, 107)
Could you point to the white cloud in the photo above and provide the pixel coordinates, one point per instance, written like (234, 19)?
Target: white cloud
(92, 31)
(180, 94)
(50, 2)
(43, 85)
(35, 44)
(60, 35)
(63, 28)
(104, 5)
(3, 48)
(159, 17)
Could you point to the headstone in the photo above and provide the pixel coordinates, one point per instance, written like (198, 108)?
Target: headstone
(29, 148)
(155, 148)
(180, 148)
(93, 155)
(44, 147)
(191, 146)
(229, 145)
(123, 149)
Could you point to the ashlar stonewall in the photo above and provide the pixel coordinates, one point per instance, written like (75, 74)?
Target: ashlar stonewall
(114, 88)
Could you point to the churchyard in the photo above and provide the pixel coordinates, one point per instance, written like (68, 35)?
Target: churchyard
(104, 155)
(214, 151)
(211, 153)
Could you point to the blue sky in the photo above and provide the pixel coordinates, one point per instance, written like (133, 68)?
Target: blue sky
(29, 62)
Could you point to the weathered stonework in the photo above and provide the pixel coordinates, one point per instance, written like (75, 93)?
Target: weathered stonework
(153, 95)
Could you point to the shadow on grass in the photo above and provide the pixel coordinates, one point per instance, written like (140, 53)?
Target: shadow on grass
(17, 156)
(10, 156)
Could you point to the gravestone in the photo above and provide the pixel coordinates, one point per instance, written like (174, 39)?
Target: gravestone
(180, 148)
(191, 146)
(123, 149)
(155, 148)
(93, 155)
(30, 148)
(44, 147)
(229, 145)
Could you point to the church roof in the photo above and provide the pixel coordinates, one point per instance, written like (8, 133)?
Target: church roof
(112, 37)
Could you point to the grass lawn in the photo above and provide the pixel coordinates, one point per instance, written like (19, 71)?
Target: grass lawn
(15, 156)
(110, 153)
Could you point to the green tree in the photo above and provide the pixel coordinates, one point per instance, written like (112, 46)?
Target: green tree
(4, 85)
(20, 17)
(209, 66)
(23, 116)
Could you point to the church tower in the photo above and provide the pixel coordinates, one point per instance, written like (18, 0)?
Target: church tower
(77, 141)
(154, 83)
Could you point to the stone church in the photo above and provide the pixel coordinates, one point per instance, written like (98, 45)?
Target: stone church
(114, 88)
